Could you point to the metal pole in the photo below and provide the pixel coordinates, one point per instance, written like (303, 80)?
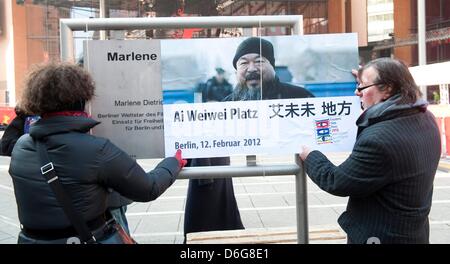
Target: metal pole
(66, 42)
(169, 23)
(297, 29)
(301, 203)
(73, 24)
(177, 22)
(102, 15)
(237, 171)
(301, 194)
(421, 39)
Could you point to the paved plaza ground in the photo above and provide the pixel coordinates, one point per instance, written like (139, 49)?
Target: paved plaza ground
(264, 202)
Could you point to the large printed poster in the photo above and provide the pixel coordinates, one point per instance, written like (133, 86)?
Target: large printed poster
(220, 97)
(255, 95)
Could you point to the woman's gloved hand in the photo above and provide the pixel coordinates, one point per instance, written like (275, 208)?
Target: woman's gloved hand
(181, 161)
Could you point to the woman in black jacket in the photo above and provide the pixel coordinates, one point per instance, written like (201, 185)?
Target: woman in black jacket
(85, 165)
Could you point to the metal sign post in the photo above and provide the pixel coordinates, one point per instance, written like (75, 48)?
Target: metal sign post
(67, 26)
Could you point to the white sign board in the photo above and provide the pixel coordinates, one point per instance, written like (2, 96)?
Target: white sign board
(128, 100)
(261, 127)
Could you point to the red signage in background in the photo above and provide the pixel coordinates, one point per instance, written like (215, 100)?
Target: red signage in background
(187, 32)
(7, 114)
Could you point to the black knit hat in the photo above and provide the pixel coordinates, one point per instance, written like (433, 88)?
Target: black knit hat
(252, 45)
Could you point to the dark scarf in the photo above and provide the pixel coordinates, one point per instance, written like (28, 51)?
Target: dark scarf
(389, 109)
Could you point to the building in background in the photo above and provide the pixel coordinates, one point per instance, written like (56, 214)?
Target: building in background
(380, 19)
(437, 34)
(29, 29)
(402, 42)
(30, 36)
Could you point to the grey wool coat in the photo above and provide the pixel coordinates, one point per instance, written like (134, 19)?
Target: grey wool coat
(388, 176)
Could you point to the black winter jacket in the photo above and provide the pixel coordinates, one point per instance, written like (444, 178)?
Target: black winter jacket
(86, 165)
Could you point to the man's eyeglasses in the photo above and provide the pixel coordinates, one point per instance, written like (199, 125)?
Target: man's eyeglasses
(367, 86)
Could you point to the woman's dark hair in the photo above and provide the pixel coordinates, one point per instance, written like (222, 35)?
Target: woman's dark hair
(394, 74)
(57, 87)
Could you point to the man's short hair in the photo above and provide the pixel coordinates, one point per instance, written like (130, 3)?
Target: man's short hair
(255, 45)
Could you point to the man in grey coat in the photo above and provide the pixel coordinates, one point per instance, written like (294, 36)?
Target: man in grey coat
(389, 174)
